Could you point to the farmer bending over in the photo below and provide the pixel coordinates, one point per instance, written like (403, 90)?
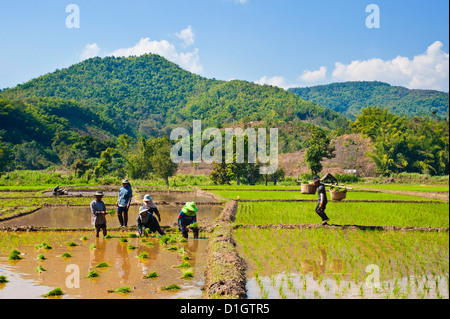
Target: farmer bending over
(146, 222)
(98, 212)
(186, 218)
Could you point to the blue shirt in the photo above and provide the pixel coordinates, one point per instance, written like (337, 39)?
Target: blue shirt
(125, 195)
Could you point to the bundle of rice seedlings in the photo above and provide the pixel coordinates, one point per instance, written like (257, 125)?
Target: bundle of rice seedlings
(93, 274)
(143, 255)
(102, 265)
(66, 255)
(3, 279)
(55, 292)
(153, 274)
(14, 255)
(40, 269)
(187, 274)
(122, 290)
(171, 287)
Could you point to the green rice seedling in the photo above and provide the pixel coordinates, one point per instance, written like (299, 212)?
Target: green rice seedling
(183, 240)
(131, 247)
(66, 255)
(43, 245)
(93, 274)
(122, 290)
(40, 257)
(14, 255)
(132, 235)
(172, 240)
(71, 244)
(111, 212)
(182, 250)
(40, 269)
(187, 274)
(150, 243)
(184, 264)
(84, 238)
(102, 265)
(153, 274)
(123, 240)
(172, 248)
(108, 236)
(54, 293)
(92, 246)
(171, 287)
(186, 257)
(164, 239)
(3, 279)
(143, 255)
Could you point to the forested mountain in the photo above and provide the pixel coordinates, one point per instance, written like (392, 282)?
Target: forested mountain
(78, 112)
(349, 98)
(148, 95)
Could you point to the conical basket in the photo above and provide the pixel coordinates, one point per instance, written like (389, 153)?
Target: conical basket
(308, 189)
(338, 195)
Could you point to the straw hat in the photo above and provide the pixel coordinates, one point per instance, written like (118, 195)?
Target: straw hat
(147, 198)
(98, 193)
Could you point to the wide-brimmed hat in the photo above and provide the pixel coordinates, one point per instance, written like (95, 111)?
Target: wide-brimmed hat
(190, 208)
(143, 209)
(125, 181)
(147, 198)
(98, 193)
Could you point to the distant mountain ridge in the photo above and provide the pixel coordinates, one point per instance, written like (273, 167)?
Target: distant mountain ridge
(348, 98)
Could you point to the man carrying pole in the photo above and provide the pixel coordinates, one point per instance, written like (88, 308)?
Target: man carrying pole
(322, 200)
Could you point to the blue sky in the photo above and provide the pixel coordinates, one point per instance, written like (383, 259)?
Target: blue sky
(285, 42)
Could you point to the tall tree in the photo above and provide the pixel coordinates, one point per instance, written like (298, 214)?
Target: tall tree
(319, 149)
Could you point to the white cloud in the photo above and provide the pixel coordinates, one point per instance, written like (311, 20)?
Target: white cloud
(429, 70)
(314, 76)
(187, 60)
(275, 81)
(187, 35)
(90, 51)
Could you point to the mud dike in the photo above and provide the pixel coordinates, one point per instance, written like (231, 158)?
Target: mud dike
(225, 269)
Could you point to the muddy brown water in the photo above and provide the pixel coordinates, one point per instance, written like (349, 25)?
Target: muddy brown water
(156, 197)
(80, 217)
(125, 269)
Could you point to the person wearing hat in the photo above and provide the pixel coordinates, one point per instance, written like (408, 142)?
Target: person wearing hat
(148, 202)
(55, 190)
(146, 220)
(187, 217)
(98, 213)
(322, 200)
(123, 202)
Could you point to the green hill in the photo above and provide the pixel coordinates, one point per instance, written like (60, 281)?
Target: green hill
(349, 98)
(149, 95)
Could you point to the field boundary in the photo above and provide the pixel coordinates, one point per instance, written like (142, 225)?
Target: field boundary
(347, 201)
(350, 227)
(225, 270)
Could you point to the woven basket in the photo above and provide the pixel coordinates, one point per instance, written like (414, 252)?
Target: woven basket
(338, 195)
(308, 189)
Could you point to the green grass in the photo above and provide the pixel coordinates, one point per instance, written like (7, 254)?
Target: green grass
(374, 214)
(405, 187)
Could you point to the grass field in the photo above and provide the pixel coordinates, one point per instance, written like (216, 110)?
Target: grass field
(375, 214)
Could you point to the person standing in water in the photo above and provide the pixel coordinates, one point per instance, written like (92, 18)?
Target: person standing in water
(98, 213)
(146, 220)
(123, 202)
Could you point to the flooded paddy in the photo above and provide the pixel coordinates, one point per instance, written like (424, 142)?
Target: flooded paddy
(325, 263)
(80, 217)
(198, 197)
(125, 268)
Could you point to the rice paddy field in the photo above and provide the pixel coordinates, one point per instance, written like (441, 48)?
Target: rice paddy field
(402, 254)
(379, 244)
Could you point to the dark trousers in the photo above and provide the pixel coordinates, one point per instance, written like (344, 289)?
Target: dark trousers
(321, 212)
(184, 230)
(123, 220)
(152, 225)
